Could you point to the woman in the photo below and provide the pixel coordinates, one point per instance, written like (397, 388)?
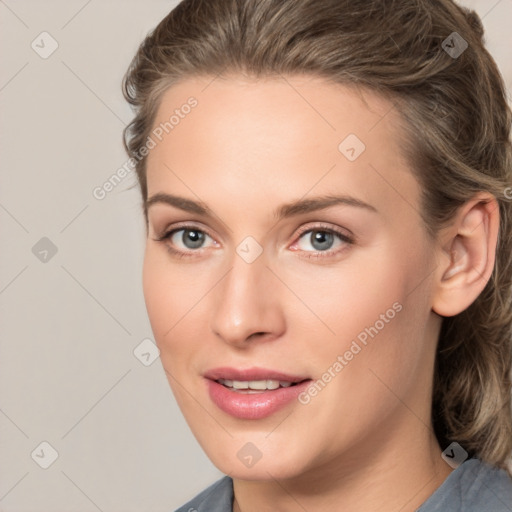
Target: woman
(326, 186)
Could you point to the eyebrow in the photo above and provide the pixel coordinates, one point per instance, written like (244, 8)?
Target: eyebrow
(287, 210)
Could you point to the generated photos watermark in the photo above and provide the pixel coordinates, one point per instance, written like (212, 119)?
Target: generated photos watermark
(100, 192)
(357, 345)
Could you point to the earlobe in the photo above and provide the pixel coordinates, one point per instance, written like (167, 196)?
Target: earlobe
(467, 255)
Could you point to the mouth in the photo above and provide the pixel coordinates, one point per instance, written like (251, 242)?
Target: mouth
(253, 393)
(255, 386)
(253, 379)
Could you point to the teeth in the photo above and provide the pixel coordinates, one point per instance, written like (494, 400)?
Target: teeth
(258, 385)
(240, 384)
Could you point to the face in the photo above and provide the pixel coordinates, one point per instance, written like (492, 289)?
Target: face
(287, 273)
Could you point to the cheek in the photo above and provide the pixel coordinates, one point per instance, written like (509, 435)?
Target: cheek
(178, 304)
(372, 364)
(169, 294)
(369, 313)
(345, 300)
(386, 337)
(156, 287)
(168, 299)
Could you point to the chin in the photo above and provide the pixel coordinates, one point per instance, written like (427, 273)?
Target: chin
(246, 462)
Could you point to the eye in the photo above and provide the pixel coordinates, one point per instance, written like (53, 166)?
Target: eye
(325, 241)
(190, 238)
(185, 240)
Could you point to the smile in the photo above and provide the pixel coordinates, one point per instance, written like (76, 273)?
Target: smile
(254, 393)
(254, 386)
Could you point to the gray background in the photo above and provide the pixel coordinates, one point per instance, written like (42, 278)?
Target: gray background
(70, 323)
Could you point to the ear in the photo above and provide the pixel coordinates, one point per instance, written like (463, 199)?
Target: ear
(466, 255)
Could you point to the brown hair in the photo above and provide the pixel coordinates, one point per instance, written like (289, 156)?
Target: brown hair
(457, 125)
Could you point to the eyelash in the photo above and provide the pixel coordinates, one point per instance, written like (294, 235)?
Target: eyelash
(322, 228)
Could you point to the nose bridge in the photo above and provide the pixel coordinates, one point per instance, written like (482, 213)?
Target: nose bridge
(244, 304)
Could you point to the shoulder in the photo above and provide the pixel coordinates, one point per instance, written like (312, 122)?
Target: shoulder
(218, 497)
(474, 486)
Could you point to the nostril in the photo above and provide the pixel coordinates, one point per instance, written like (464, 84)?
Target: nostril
(256, 334)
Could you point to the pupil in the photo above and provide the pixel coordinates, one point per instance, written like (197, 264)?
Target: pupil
(321, 240)
(192, 239)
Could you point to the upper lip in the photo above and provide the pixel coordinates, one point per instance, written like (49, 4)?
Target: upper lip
(251, 374)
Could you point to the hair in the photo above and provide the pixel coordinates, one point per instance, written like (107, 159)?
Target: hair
(456, 124)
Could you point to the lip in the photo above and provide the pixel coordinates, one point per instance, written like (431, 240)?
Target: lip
(251, 374)
(257, 405)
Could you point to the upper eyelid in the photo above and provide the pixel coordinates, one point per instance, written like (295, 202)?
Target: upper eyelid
(325, 227)
(185, 225)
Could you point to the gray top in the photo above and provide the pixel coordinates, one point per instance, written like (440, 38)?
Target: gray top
(473, 487)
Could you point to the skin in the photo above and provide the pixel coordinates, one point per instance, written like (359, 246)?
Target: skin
(249, 146)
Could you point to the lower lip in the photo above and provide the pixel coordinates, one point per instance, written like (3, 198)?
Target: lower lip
(253, 406)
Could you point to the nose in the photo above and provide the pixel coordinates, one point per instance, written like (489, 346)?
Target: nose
(247, 304)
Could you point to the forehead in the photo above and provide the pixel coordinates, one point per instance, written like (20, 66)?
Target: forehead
(299, 108)
(259, 138)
